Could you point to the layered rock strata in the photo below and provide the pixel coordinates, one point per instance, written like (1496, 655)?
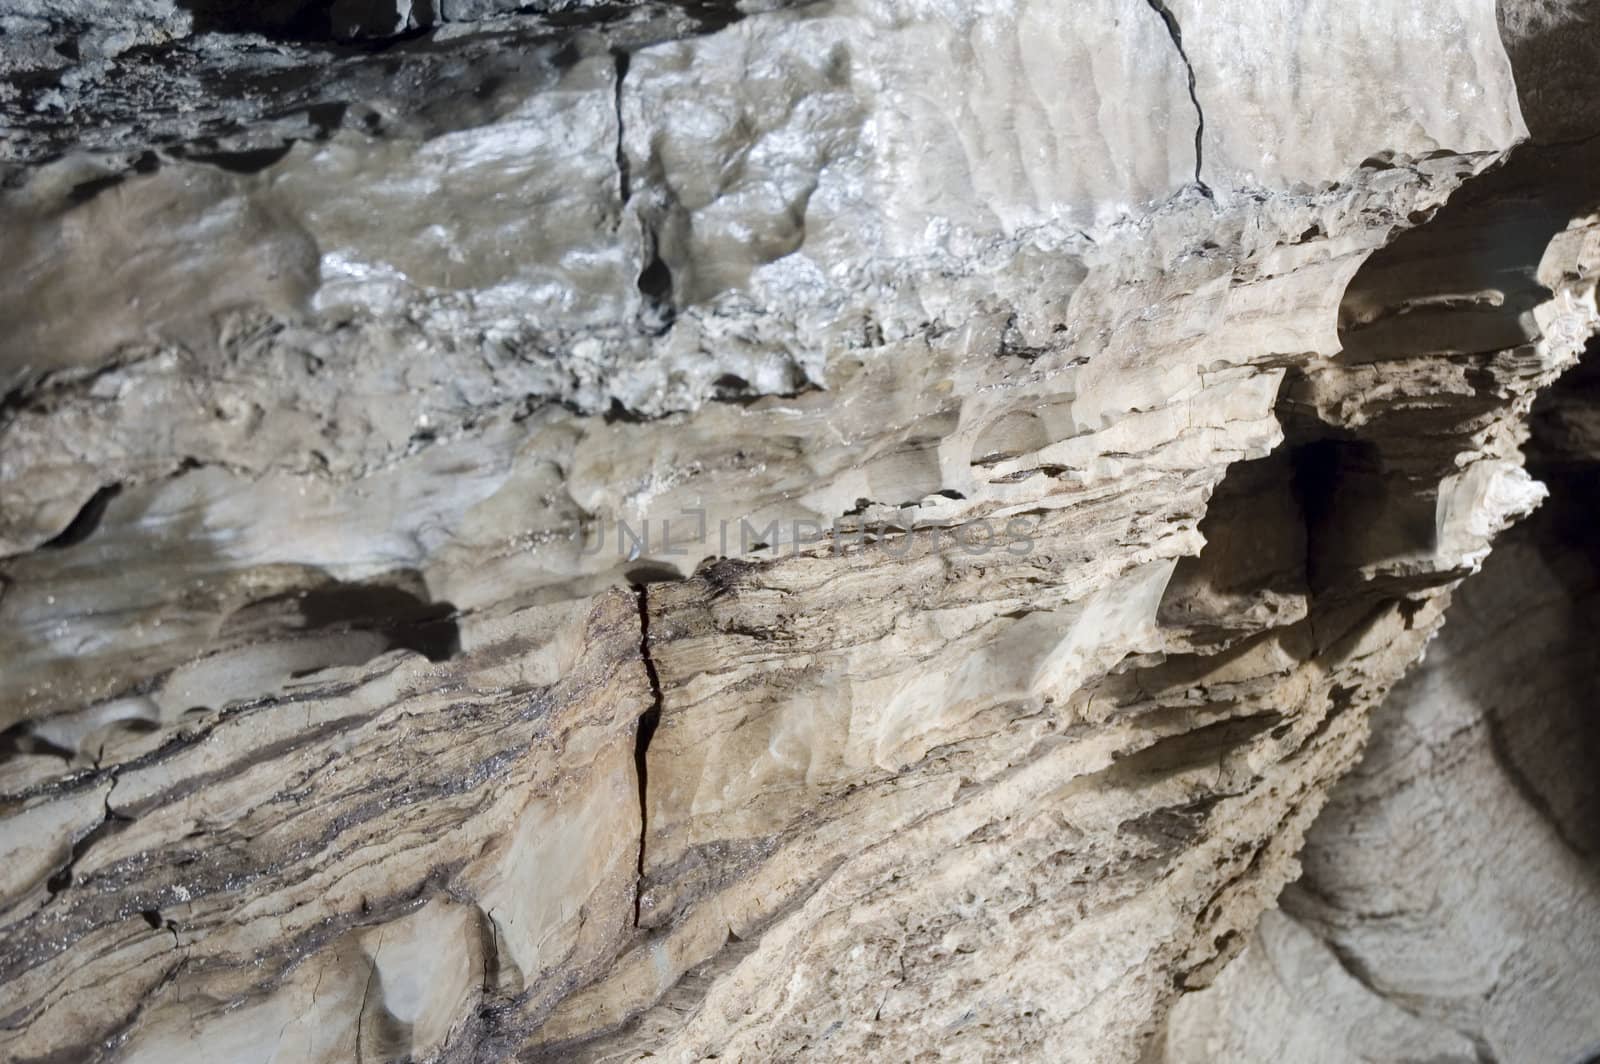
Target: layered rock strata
(1447, 907)
(846, 530)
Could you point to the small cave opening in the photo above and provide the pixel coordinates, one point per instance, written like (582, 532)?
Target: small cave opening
(85, 521)
(1252, 570)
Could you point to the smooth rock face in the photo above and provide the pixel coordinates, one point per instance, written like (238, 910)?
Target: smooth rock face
(758, 532)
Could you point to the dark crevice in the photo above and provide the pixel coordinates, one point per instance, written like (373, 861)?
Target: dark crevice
(281, 20)
(111, 822)
(657, 310)
(617, 413)
(655, 284)
(1315, 470)
(250, 161)
(82, 526)
(84, 191)
(648, 722)
(730, 387)
(653, 573)
(725, 389)
(1352, 515)
(1254, 558)
(620, 57)
(1176, 33)
(308, 21)
(328, 117)
(20, 740)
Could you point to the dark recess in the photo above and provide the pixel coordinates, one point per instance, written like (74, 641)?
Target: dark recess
(82, 526)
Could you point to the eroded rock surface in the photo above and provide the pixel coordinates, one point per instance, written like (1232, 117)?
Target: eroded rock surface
(1447, 906)
(758, 532)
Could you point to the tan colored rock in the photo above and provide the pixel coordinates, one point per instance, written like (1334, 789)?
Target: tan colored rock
(1448, 905)
(844, 530)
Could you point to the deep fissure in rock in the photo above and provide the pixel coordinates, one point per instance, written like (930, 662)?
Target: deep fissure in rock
(1176, 33)
(649, 720)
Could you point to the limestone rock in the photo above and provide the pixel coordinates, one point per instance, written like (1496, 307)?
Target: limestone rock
(760, 532)
(1447, 911)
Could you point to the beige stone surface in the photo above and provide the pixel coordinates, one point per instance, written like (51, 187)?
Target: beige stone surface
(791, 532)
(1447, 907)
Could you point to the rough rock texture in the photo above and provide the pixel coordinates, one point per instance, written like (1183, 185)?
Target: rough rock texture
(755, 532)
(1447, 906)
(1448, 909)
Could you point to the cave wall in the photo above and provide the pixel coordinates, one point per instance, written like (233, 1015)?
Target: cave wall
(1446, 909)
(580, 532)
